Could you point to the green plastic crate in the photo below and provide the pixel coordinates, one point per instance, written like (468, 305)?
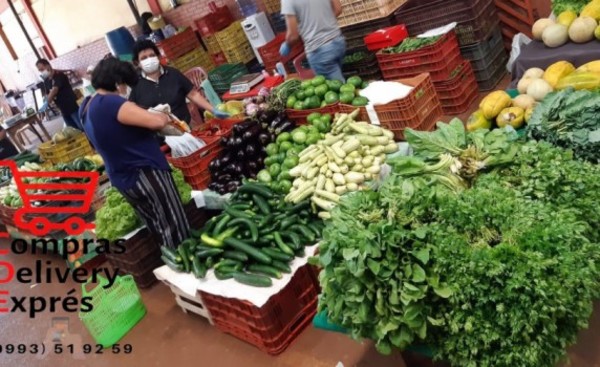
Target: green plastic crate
(116, 309)
(222, 76)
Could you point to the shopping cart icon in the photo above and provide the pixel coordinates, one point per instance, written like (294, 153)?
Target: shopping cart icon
(57, 203)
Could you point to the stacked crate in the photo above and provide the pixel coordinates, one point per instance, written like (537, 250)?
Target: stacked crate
(196, 58)
(355, 34)
(516, 16)
(477, 23)
(208, 27)
(362, 11)
(179, 45)
(234, 44)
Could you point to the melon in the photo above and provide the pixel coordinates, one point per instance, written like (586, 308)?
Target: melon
(524, 84)
(582, 30)
(534, 73)
(539, 27)
(524, 101)
(555, 35)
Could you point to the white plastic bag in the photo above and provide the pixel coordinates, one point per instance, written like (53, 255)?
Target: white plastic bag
(519, 40)
(184, 145)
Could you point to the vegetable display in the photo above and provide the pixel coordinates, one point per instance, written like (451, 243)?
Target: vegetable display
(252, 241)
(245, 150)
(493, 265)
(569, 27)
(282, 155)
(559, 6)
(349, 156)
(569, 119)
(319, 92)
(411, 44)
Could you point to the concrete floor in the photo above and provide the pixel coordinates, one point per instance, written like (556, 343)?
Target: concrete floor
(167, 336)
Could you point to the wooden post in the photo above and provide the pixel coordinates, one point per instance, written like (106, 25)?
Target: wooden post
(11, 50)
(38, 27)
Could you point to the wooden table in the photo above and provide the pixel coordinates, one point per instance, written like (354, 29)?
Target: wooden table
(32, 121)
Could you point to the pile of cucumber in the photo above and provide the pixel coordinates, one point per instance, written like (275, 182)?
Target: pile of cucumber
(252, 241)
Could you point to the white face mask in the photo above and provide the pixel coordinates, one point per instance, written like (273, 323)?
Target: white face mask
(124, 91)
(150, 65)
(45, 74)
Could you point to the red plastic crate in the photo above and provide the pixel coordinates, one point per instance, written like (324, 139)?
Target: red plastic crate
(299, 116)
(457, 94)
(455, 109)
(219, 58)
(386, 37)
(269, 53)
(214, 22)
(276, 324)
(412, 110)
(179, 44)
(428, 123)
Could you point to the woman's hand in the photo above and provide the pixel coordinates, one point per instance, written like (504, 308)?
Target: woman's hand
(133, 115)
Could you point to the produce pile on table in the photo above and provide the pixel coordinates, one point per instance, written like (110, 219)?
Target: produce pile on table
(319, 92)
(568, 26)
(411, 44)
(481, 246)
(252, 241)
(117, 217)
(349, 156)
(282, 155)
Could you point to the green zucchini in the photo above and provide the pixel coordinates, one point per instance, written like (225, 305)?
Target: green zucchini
(170, 254)
(199, 269)
(195, 233)
(262, 204)
(281, 266)
(221, 225)
(277, 254)
(249, 224)
(249, 250)
(265, 270)
(203, 254)
(282, 245)
(258, 189)
(172, 265)
(253, 279)
(235, 255)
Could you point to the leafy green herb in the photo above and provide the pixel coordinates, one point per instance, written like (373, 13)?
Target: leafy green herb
(116, 218)
(558, 6)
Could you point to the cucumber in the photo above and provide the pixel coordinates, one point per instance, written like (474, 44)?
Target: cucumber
(199, 269)
(313, 226)
(253, 279)
(170, 254)
(221, 225)
(210, 224)
(221, 275)
(262, 204)
(287, 222)
(277, 254)
(281, 266)
(203, 254)
(249, 250)
(172, 265)
(195, 233)
(265, 270)
(240, 206)
(299, 207)
(306, 233)
(258, 189)
(282, 245)
(294, 238)
(236, 213)
(265, 221)
(185, 260)
(235, 255)
(249, 224)
(226, 263)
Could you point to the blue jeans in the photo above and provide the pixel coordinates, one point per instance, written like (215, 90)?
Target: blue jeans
(73, 120)
(327, 60)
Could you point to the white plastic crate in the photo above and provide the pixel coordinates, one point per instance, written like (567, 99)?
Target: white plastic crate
(189, 304)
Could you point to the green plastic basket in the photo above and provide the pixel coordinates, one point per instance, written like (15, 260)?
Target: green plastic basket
(222, 77)
(116, 309)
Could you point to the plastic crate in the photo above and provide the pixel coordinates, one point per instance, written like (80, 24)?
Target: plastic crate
(141, 253)
(214, 21)
(464, 105)
(413, 110)
(277, 21)
(218, 59)
(483, 49)
(299, 116)
(367, 69)
(453, 88)
(65, 151)
(474, 17)
(189, 304)
(390, 36)
(272, 6)
(355, 34)
(440, 60)
(212, 45)
(274, 326)
(232, 37)
(494, 76)
(359, 11)
(428, 123)
(241, 54)
(485, 68)
(179, 44)
(269, 53)
(192, 59)
(222, 76)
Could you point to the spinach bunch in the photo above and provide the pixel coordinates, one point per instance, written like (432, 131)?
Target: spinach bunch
(558, 6)
(569, 119)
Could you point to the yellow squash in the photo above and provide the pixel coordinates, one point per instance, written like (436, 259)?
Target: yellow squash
(557, 71)
(513, 116)
(592, 66)
(478, 121)
(493, 103)
(592, 9)
(566, 17)
(528, 114)
(579, 81)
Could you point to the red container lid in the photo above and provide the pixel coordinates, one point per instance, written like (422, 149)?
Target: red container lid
(386, 37)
